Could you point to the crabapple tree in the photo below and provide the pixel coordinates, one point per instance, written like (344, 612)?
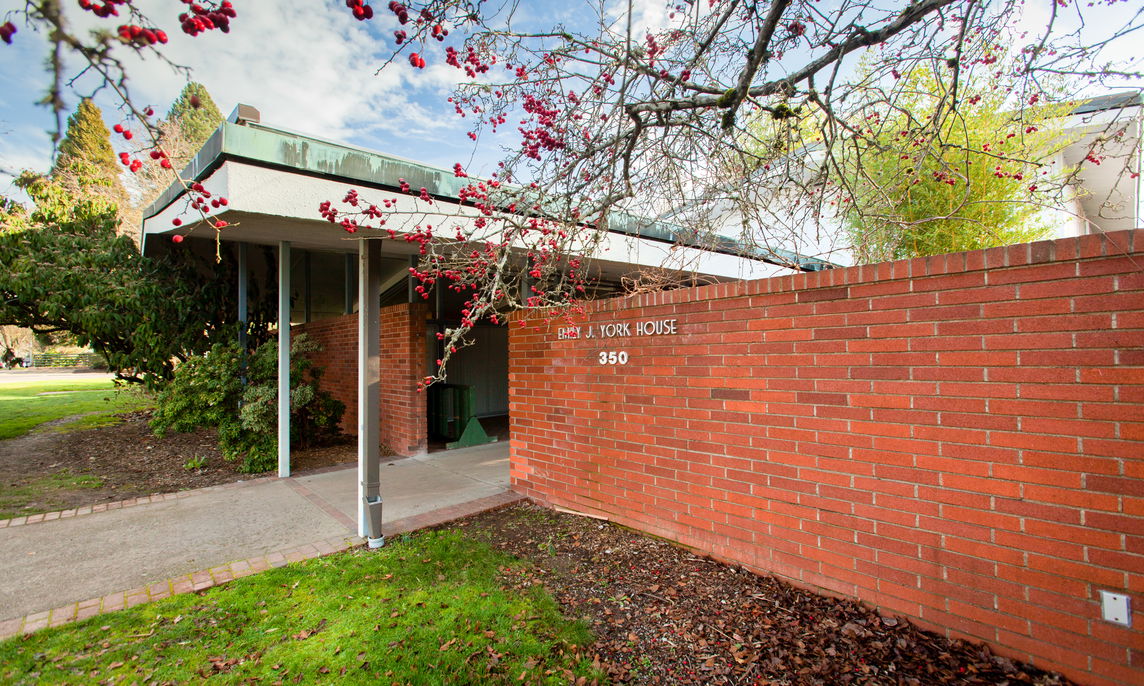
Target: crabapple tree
(712, 116)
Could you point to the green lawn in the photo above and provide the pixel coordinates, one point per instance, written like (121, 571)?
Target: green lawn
(17, 499)
(24, 406)
(435, 608)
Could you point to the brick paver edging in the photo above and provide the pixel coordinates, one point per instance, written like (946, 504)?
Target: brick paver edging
(131, 502)
(160, 497)
(204, 579)
(188, 583)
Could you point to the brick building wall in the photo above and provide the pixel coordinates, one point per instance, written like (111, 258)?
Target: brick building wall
(403, 423)
(958, 439)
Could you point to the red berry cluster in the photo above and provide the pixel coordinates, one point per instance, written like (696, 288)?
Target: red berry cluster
(6, 32)
(653, 49)
(439, 32)
(131, 33)
(477, 269)
(102, 8)
(202, 202)
(400, 10)
(205, 18)
(161, 157)
(351, 225)
(944, 177)
(471, 63)
(606, 78)
(361, 10)
(546, 135)
(132, 165)
(135, 165)
(416, 60)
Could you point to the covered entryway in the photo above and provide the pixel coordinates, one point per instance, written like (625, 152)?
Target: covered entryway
(471, 407)
(342, 288)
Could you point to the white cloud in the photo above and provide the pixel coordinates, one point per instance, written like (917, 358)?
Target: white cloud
(306, 65)
(647, 16)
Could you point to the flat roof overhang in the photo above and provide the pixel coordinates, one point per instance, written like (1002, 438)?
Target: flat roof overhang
(295, 156)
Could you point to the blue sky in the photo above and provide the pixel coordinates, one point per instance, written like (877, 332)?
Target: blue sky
(306, 65)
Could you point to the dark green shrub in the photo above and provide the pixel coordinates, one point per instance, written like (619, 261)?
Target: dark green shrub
(207, 390)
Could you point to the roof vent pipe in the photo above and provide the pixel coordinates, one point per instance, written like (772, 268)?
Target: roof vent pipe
(244, 114)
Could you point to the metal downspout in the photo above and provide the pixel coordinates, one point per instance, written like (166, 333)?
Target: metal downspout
(369, 392)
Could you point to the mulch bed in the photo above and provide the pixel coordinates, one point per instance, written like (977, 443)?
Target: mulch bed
(131, 461)
(663, 615)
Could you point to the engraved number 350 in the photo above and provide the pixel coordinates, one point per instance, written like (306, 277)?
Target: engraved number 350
(613, 357)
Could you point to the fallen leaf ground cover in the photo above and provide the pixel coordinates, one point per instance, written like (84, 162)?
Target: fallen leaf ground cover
(663, 615)
(429, 609)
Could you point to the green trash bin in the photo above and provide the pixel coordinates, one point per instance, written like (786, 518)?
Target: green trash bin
(451, 416)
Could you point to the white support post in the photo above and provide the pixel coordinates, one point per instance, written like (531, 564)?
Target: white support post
(369, 392)
(284, 359)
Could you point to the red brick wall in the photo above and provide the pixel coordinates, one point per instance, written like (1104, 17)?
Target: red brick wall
(404, 426)
(338, 360)
(403, 423)
(957, 439)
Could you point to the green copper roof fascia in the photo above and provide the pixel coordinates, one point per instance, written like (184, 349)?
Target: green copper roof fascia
(293, 151)
(200, 163)
(655, 229)
(286, 150)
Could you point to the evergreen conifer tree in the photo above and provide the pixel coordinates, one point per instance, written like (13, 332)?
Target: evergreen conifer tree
(86, 160)
(195, 114)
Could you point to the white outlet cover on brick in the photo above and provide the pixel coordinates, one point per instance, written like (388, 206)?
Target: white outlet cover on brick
(1115, 607)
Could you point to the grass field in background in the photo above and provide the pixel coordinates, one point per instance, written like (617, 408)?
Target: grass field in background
(24, 406)
(434, 608)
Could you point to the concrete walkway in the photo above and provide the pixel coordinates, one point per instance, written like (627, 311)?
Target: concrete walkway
(59, 567)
